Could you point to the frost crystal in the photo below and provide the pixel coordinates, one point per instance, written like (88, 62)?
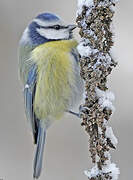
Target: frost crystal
(93, 173)
(84, 50)
(105, 99)
(81, 3)
(109, 134)
(112, 170)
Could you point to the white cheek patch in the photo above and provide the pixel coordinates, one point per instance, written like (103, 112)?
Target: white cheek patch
(54, 34)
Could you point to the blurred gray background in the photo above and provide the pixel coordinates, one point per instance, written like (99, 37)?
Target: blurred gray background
(66, 150)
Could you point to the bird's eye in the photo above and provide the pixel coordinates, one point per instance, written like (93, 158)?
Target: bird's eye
(57, 27)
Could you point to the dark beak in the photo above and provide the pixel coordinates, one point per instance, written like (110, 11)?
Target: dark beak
(72, 27)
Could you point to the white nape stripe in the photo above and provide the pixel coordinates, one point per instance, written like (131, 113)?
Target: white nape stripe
(46, 23)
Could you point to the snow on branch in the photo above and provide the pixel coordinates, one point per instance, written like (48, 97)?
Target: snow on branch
(94, 18)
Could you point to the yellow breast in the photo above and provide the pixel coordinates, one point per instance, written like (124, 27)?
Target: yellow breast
(55, 78)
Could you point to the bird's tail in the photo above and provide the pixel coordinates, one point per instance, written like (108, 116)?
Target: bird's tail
(39, 152)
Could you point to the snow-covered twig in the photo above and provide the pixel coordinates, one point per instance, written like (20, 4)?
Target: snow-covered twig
(94, 18)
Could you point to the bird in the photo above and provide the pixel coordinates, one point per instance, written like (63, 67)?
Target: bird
(50, 74)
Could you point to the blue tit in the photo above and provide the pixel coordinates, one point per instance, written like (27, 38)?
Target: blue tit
(50, 73)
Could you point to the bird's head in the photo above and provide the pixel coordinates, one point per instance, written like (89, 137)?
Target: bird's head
(48, 27)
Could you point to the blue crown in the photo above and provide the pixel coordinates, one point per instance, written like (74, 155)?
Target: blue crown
(47, 17)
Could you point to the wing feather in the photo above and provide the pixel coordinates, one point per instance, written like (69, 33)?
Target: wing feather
(29, 94)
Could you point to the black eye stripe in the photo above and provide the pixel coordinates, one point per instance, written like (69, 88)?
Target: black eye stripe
(57, 27)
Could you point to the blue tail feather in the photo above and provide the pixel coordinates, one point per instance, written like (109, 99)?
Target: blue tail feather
(39, 151)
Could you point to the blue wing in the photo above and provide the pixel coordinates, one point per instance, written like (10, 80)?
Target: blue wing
(75, 53)
(29, 94)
